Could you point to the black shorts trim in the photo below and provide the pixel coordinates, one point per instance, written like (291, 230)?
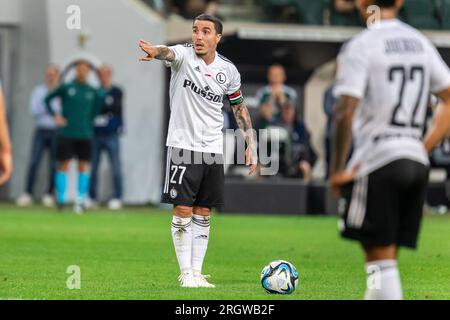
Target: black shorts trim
(215, 205)
(167, 200)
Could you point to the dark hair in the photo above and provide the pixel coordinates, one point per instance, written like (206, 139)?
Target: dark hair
(277, 65)
(207, 17)
(83, 61)
(385, 3)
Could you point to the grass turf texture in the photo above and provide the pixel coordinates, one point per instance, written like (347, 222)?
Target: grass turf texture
(129, 255)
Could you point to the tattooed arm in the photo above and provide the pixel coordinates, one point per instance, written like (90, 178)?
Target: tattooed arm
(155, 52)
(245, 124)
(342, 140)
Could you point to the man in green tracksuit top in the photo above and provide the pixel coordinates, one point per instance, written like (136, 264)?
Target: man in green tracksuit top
(81, 103)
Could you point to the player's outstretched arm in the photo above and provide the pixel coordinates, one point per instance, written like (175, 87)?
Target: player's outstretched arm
(244, 122)
(6, 166)
(158, 52)
(342, 140)
(441, 124)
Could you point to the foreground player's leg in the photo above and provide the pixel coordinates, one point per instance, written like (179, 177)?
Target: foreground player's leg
(61, 183)
(182, 241)
(383, 282)
(200, 232)
(83, 186)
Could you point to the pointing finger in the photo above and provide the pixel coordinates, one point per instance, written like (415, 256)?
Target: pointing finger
(145, 59)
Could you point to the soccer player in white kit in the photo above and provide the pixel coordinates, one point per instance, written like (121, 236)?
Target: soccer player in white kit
(194, 181)
(6, 165)
(385, 76)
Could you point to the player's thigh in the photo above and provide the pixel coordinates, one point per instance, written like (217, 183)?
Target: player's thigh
(65, 149)
(412, 203)
(183, 177)
(211, 193)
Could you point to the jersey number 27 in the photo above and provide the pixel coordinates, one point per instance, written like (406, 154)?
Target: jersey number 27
(175, 170)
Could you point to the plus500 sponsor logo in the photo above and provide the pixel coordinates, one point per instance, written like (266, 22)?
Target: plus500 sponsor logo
(210, 96)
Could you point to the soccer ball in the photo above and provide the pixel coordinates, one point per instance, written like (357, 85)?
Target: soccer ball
(279, 277)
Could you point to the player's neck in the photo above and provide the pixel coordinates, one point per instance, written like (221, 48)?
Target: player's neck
(209, 57)
(81, 81)
(276, 85)
(388, 14)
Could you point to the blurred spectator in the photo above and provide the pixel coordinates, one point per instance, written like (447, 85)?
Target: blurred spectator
(81, 103)
(5, 144)
(345, 6)
(328, 104)
(280, 11)
(345, 13)
(229, 140)
(160, 6)
(108, 127)
(212, 8)
(44, 138)
(440, 156)
(189, 9)
(297, 156)
(274, 96)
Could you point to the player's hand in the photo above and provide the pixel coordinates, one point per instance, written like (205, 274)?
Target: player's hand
(60, 121)
(266, 111)
(277, 90)
(306, 169)
(341, 178)
(278, 94)
(251, 159)
(148, 49)
(6, 166)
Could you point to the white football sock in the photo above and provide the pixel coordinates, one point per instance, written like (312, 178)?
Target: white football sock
(182, 241)
(383, 281)
(200, 238)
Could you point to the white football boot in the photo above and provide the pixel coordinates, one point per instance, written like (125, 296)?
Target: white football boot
(201, 281)
(187, 280)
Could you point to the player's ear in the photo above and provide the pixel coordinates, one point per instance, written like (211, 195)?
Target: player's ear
(218, 37)
(361, 5)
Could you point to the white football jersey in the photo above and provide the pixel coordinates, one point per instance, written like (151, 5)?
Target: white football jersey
(196, 93)
(391, 68)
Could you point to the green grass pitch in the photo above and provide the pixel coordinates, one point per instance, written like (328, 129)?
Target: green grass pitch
(129, 255)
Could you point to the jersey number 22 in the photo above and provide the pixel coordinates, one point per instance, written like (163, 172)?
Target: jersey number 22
(407, 75)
